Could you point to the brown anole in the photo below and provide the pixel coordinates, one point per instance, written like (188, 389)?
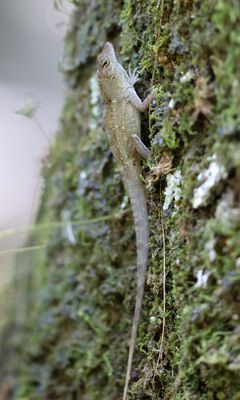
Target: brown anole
(122, 124)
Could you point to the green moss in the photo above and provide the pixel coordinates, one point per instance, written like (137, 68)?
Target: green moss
(78, 338)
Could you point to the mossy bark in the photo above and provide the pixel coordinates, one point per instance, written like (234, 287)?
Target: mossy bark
(76, 343)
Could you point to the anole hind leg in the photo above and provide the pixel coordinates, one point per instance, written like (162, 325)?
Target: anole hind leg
(140, 147)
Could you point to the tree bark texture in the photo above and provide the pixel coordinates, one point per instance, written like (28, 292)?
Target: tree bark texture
(76, 341)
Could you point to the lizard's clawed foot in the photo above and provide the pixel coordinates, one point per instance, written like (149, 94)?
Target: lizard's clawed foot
(133, 75)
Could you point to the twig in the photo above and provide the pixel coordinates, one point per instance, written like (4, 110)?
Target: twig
(41, 129)
(160, 347)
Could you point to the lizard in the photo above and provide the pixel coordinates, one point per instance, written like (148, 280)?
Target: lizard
(123, 126)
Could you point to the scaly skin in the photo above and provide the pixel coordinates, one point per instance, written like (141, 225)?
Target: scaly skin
(122, 124)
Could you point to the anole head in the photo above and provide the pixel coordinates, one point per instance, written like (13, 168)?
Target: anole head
(112, 76)
(107, 62)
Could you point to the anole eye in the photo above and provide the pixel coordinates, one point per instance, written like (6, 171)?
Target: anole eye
(105, 63)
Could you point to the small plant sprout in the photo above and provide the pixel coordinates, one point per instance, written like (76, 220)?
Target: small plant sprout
(29, 109)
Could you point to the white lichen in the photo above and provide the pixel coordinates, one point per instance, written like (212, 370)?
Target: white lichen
(124, 202)
(202, 279)
(187, 77)
(226, 212)
(70, 233)
(208, 179)
(82, 175)
(238, 262)
(153, 318)
(210, 249)
(171, 104)
(68, 227)
(173, 191)
(94, 94)
(94, 101)
(82, 183)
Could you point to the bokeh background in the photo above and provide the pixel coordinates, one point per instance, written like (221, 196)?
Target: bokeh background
(31, 43)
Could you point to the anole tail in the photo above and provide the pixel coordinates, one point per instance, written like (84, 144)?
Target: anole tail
(137, 196)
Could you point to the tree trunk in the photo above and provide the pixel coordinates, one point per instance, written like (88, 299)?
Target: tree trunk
(76, 345)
